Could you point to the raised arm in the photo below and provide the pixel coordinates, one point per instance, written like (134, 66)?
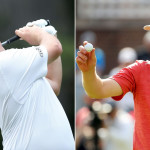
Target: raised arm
(94, 86)
(37, 36)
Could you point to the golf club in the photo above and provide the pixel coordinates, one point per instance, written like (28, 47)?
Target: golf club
(40, 23)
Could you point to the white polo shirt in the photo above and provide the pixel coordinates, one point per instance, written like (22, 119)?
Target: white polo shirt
(31, 116)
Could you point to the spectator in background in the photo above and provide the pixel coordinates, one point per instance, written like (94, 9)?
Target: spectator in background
(103, 126)
(100, 66)
(126, 57)
(118, 134)
(144, 50)
(88, 121)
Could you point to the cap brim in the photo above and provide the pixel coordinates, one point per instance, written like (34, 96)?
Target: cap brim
(147, 27)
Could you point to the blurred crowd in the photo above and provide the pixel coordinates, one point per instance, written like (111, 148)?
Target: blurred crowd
(105, 124)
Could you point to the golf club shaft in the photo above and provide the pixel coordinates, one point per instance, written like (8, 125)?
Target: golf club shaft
(16, 37)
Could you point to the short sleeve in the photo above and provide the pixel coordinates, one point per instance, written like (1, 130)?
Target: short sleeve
(126, 79)
(22, 67)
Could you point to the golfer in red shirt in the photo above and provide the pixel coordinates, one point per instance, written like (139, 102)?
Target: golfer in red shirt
(134, 78)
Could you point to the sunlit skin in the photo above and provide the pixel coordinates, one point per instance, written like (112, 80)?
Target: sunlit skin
(94, 86)
(1, 47)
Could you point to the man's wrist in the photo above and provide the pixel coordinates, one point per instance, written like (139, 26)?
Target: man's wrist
(90, 73)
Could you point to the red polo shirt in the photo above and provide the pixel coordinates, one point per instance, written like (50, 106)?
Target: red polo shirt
(136, 78)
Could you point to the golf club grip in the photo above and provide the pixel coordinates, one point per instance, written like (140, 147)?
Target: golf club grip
(14, 38)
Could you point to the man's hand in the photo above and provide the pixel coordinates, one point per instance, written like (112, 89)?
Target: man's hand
(86, 60)
(32, 35)
(94, 86)
(38, 36)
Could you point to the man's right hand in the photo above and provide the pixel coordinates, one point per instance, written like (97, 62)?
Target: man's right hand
(33, 35)
(38, 36)
(86, 60)
(94, 86)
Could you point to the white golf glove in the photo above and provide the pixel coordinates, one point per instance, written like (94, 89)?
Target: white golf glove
(43, 24)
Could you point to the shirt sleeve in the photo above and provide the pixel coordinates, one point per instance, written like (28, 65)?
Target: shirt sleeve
(126, 78)
(22, 67)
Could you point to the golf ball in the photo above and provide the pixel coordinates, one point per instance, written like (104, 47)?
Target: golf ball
(88, 47)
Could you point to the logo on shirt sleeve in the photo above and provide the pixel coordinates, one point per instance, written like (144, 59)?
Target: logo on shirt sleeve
(40, 51)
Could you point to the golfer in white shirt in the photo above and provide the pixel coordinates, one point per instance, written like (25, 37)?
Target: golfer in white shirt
(31, 116)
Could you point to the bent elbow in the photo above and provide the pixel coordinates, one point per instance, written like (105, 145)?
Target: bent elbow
(56, 90)
(54, 50)
(58, 48)
(56, 86)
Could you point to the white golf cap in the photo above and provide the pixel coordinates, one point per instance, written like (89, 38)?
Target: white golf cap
(89, 36)
(127, 55)
(146, 37)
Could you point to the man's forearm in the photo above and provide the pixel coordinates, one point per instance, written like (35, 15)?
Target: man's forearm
(92, 83)
(53, 46)
(94, 86)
